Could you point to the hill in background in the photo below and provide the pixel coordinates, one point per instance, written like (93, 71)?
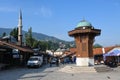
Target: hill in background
(38, 36)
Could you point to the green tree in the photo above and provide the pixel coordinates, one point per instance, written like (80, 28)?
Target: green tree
(14, 33)
(97, 46)
(4, 34)
(28, 38)
(42, 45)
(52, 45)
(35, 43)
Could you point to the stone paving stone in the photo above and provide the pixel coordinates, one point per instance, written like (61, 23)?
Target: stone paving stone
(66, 75)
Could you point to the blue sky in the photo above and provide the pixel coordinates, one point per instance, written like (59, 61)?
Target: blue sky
(57, 17)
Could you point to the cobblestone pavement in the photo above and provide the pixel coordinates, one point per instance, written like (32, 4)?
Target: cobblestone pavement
(27, 73)
(55, 73)
(113, 74)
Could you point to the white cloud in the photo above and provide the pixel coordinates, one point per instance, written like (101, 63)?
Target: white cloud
(44, 11)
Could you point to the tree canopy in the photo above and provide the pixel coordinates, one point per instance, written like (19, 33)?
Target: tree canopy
(4, 34)
(97, 46)
(31, 42)
(14, 33)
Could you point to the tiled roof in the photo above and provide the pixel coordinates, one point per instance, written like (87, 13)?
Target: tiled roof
(96, 51)
(24, 49)
(73, 50)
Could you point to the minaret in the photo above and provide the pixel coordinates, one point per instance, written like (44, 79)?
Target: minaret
(20, 29)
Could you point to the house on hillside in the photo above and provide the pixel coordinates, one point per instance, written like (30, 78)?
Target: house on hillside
(59, 51)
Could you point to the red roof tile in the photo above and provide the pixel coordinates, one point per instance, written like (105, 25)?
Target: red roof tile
(96, 51)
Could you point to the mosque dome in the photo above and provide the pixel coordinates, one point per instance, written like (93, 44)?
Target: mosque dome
(84, 23)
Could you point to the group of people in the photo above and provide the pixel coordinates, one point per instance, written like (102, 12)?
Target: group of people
(57, 60)
(111, 63)
(68, 60)
(54, 60)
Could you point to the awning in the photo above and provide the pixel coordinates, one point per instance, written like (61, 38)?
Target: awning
(114, 52)
(11, 45)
